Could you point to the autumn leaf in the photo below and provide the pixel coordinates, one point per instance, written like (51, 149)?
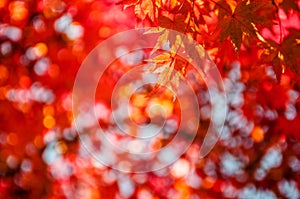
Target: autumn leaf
(290, 50)
(283, 55)
(161, 40)
(176, 44)
(200, 10)
(287, 5)
(181, 7)
(155, 30)
(178, 24)
(224, 10)
(242, 21)
(180, 67)
(165, 76)
(161, 58)
(165, 22)
(232, 28)
(168, 76)
(142, 8)
(170, 70)
(146, 8)
(173, 4)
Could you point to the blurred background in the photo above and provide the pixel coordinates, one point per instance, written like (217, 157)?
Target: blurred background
(43, 43)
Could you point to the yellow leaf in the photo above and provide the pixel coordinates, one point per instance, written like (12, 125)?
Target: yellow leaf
(154, 30)
(177, 45)
(165, 75)
(161, 41)
(161, 58)
(148, 9)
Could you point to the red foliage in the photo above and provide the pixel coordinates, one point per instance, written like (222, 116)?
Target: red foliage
(43, 43)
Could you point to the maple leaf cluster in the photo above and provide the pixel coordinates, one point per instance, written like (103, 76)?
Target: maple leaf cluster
(243, 23)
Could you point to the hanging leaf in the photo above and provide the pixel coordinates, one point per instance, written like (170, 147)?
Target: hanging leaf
(161, 41)
(242, 21)
(177, 24)
(283, 55)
